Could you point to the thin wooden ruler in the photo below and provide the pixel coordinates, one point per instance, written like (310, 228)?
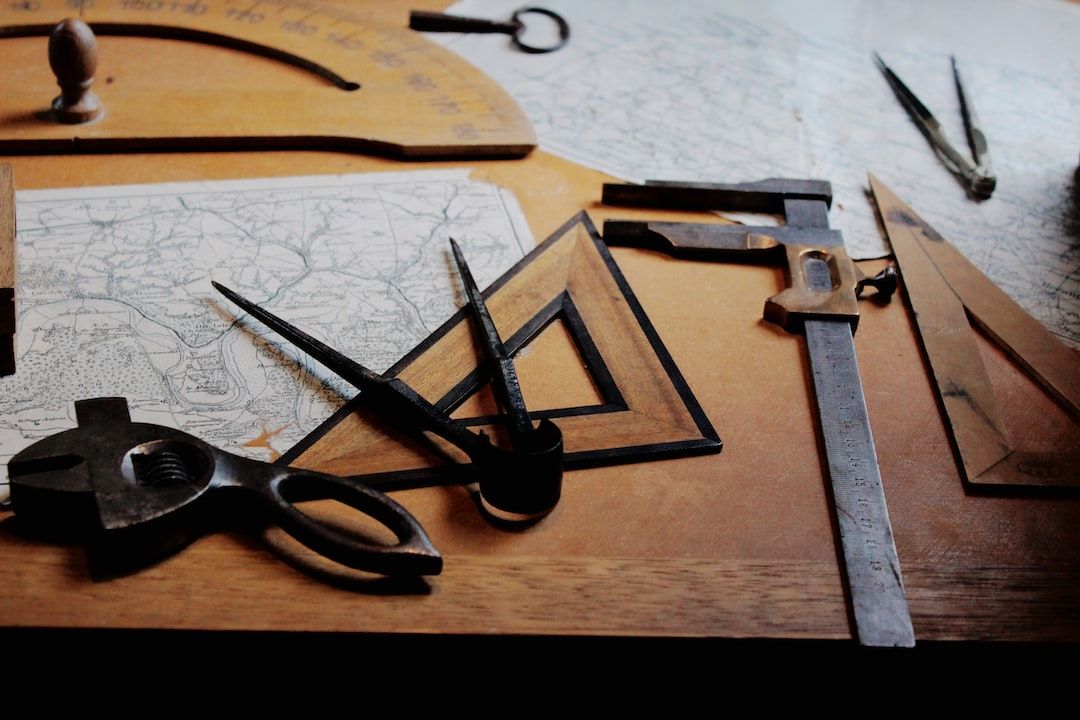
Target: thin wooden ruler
(944, 290)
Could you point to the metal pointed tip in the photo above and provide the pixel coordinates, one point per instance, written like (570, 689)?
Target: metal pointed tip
(879, 62)
(459, 257)
(956, 76)
(464, 272)
(230, 294)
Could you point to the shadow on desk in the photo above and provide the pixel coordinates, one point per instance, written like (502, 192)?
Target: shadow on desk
(104, 562)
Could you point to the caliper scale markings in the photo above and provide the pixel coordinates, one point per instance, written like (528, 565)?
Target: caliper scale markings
(872, 566)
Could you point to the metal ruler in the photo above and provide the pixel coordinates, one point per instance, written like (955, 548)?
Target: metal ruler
(872, 567)
(821, 300)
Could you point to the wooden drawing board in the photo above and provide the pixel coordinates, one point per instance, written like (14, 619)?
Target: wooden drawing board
(208, 85)
(732, 544)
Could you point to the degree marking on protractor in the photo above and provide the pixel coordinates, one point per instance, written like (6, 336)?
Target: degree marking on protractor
(449, 107)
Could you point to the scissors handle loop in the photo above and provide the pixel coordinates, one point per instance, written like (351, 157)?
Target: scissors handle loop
(413, 554)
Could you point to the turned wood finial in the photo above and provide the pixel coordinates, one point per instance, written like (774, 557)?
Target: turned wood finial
(73, 58)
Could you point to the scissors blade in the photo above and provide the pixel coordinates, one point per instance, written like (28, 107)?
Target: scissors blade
(504, 375)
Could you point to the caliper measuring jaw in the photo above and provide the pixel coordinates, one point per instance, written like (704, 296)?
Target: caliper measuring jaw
(821, 302)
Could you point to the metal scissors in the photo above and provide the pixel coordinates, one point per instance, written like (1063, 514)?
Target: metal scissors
(978, 178)
(514, 27)
(142, 491)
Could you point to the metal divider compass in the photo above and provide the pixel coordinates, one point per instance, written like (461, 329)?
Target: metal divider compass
(524, 482)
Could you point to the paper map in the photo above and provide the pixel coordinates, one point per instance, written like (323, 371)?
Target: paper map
(743, 91)
(115, 295)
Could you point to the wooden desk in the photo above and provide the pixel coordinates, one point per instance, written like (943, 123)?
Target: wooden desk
(738, 544)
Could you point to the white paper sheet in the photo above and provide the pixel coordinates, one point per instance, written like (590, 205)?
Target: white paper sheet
(742, 91)
(115, 296)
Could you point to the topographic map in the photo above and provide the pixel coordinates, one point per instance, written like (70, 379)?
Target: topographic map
(115, 295)
(781, 88)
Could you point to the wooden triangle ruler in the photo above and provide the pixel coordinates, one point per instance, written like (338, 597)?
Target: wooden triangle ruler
(945, 291)
(646, 410)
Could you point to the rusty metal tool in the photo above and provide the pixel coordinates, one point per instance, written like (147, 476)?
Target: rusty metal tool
(514, 27)
(821, 301)
(519, 485)
(540, 446)
(152, 489)
(977, 177)
(945, 290)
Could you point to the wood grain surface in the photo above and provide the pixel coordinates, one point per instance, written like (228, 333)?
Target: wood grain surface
(928, 265)
(415, 99)
(737, 544)
(7, 270)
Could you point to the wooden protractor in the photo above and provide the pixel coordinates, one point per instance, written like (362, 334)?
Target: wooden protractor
(325, 78)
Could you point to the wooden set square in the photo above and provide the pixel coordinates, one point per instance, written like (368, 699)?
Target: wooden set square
(645, 411)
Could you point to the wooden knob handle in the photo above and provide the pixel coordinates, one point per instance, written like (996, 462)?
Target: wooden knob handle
(73, 58)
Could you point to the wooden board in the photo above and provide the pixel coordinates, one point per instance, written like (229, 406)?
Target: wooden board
(415, 99)
(7, 271)
(737, 544)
